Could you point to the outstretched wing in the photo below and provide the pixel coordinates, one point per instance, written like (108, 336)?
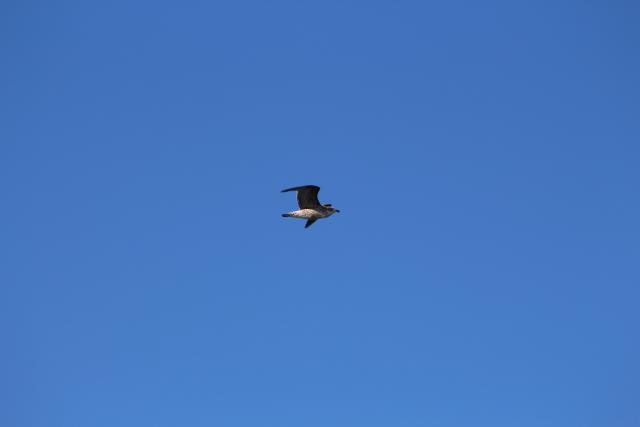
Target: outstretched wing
(310, 222)
(307, 196)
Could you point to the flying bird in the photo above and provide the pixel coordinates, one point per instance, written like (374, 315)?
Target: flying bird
(310, 207)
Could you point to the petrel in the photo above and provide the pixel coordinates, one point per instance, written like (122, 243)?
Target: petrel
(310, 207)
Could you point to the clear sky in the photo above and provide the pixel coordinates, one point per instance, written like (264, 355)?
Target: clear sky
(484, 270)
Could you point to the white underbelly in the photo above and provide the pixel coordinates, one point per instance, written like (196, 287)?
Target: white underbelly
(306, 214)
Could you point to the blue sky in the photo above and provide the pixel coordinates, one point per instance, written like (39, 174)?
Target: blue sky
(484, 268)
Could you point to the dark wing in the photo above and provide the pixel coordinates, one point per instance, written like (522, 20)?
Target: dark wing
(307, 196)
(310, 222)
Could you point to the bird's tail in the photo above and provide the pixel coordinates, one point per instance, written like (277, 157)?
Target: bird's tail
(286, 215)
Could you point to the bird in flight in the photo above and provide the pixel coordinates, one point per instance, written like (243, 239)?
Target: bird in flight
(310, 207)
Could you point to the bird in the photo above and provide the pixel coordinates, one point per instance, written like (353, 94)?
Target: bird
(310, 207)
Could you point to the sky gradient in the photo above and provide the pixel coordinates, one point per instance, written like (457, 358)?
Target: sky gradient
(484, 268)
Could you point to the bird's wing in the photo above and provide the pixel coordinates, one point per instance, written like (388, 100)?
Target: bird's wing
(307, 196)
(310, 222)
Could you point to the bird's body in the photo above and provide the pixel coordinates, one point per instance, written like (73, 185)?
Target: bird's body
(305, 214)
(310, 207)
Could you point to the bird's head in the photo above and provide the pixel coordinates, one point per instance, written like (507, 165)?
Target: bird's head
(331, 208)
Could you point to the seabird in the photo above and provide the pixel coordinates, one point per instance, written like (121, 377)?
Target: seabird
(310, 207)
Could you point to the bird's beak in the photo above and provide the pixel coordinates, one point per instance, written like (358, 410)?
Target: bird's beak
(338, 210)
